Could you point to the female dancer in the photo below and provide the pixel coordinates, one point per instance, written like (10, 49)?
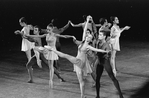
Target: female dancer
(80, 61)
(115, 34)
(38, 57)
(58, 44)
(50, 55)
(104, 62)
(87, 25)
(26, 45)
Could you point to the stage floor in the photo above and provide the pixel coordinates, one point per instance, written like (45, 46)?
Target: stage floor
(133, 76)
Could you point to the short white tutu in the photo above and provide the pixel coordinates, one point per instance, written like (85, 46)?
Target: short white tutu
(27, 45)
(50, 55)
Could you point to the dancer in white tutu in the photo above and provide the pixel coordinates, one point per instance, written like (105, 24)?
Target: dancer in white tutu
(50, 55)
(80, 61)
(26, 44)
(115, 35)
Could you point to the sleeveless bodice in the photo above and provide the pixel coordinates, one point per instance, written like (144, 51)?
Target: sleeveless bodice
(26, 30)
(117, 31)
(51, 39)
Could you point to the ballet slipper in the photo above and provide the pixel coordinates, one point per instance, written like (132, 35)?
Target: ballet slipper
(62, 80)
(51, 84)
(30, 81)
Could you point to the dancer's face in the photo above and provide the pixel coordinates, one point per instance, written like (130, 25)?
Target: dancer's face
(106, 22)
(49, 28)
(22, 24)
(89, 18)
(116, 20)
(101, 36)
(36, 30)
(89, 37)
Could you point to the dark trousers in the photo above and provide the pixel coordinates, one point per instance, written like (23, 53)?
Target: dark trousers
(105, 63)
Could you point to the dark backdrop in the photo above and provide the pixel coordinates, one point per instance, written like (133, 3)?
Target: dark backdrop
(40, 12)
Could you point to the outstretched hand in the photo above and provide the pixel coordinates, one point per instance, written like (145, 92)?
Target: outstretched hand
(71, 23)
(17, 32)
(74, 38)
(127, 27)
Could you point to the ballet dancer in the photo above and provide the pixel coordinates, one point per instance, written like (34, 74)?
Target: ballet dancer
(38, 57)
(58, 44)
(115, 35)
(104, 62)
(104, 26)
(80, 61)
(26, 44)
(51, 38)
(88, 24)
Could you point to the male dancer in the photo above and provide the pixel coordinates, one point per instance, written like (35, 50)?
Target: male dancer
(104, 62)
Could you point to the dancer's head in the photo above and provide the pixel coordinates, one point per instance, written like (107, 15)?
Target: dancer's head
(114, 20)
(88, 36)
(87, 17)
(50, 26)
(102, 35)
(36, 30)
(84, 17)
(103, 21)
(22, 21)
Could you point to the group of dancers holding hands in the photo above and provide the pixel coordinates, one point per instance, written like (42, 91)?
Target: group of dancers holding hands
(96, 51)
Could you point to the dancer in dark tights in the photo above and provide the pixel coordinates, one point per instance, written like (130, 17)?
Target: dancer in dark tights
(104, 62)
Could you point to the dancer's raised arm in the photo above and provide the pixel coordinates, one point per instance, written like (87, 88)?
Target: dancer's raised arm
(60, 30)
(76, 41)
(76, 25)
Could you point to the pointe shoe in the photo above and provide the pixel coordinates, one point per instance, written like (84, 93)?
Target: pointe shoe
(30, 81)
(62, 80)
(51, 84)
(114, 71)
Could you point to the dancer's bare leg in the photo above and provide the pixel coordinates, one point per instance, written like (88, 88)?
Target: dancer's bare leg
(113, 55)
(37, 54)
(81, 82)
(51, 72)
(30, 69)
(28, 55)
(72, 59)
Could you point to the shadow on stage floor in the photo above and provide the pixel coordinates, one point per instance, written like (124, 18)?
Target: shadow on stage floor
(139, 92)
